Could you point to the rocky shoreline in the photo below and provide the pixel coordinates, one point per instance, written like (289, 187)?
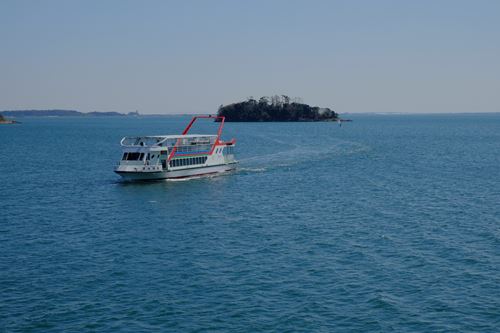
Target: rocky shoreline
(4, 121)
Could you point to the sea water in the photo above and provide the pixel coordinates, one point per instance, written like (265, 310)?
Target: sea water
(390, 223)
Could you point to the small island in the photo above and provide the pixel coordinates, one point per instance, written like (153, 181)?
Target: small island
(275, 108)
(5, 121)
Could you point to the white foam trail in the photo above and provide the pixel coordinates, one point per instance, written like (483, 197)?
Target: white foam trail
(251, 169)
(301, 153)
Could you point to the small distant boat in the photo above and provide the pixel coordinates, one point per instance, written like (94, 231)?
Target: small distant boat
(176, 156)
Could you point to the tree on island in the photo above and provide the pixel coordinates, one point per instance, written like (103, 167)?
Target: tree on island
(275, 108)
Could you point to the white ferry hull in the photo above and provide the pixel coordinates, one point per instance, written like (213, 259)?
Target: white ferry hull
(177, 174)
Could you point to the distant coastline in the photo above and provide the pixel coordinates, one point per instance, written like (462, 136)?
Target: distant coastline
(63, 113)
(275, 108)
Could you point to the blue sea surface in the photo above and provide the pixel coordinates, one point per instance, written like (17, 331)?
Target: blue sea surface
(390, 223)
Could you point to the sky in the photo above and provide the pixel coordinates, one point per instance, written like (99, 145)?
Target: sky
(171, 57)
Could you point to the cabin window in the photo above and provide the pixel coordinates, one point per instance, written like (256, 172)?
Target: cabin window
(141, 156)
(124, 156)
(133, 156)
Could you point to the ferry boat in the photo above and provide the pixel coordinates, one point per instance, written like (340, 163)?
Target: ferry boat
(176, 156)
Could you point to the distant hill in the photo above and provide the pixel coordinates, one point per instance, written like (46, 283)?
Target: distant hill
(62, 113)
(111, 113)
(275, 108)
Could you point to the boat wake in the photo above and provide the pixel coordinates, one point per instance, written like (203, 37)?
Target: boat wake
(299, 154)
(245, 170)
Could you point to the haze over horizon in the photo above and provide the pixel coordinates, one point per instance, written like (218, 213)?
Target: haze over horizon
(166, 57)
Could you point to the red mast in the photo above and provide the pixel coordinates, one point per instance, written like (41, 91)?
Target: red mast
(188, 127)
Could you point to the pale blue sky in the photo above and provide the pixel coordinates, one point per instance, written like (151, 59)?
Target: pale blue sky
(191, 56)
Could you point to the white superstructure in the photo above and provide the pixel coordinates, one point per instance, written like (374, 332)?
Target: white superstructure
(176, 156)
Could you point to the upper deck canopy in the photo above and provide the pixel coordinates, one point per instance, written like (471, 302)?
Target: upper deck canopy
(167, 140)
(180, 143)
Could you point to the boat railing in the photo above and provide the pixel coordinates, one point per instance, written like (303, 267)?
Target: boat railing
(138, 141)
